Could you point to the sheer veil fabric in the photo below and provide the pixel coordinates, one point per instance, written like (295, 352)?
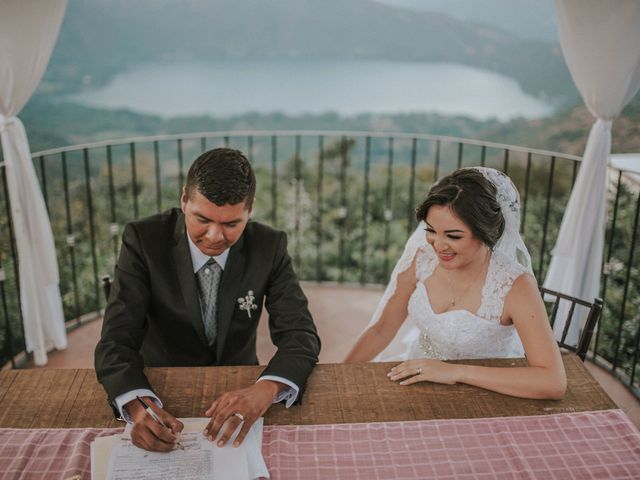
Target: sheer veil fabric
(510, 244)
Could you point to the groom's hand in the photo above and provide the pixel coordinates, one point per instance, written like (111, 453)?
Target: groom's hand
(237, 407)
(149, 434)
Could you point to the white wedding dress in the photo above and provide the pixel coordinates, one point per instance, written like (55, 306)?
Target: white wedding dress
(460, 334)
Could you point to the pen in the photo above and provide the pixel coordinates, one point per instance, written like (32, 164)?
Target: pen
(156, 417)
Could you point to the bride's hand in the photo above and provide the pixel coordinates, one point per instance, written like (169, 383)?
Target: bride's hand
(413, 371)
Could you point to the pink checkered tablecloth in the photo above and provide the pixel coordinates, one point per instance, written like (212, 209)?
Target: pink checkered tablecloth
(598, 445)
(603, 444)
(47, 453)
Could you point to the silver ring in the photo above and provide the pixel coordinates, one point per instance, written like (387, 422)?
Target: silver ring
(239, 415)
(418, 370)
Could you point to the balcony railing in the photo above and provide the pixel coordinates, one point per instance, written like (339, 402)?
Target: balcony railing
(346, 200)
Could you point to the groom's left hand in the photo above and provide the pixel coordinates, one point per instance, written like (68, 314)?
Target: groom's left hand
(421, 370)
(237, 407)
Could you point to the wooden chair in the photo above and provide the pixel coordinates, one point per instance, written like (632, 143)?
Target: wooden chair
(552, 301)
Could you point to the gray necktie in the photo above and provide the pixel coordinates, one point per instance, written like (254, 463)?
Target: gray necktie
(208, 282)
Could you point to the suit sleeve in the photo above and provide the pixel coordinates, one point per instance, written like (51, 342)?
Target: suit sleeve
(290, 324)
(118, 363)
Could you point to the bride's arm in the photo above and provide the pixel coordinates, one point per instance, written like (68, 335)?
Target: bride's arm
(375, 338)
(544, 377)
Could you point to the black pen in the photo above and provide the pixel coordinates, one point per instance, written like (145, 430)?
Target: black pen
(156, 418)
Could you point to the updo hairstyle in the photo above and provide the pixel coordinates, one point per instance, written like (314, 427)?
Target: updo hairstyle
(472, 198)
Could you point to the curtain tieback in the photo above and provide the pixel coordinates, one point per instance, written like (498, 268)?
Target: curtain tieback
(6, 121)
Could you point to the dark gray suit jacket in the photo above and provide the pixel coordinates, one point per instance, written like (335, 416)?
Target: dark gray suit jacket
(153, 315)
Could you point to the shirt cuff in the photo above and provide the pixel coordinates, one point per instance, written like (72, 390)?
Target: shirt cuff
(122, 400)
(289, 395)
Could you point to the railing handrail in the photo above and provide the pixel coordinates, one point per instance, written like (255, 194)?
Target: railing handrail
(306, 133)
(312, 133)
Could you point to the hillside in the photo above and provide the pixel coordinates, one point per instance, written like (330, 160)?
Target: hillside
(99, 38)
(52, 125)
(534, 19)
(567, 131)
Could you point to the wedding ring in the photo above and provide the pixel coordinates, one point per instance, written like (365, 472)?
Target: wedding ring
(239, 415)
(418, 370)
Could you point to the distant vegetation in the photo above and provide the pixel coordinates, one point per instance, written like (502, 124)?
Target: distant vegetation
(534, 19)
(54, 124)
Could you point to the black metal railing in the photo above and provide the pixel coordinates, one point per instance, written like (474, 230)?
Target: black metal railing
(346, 200)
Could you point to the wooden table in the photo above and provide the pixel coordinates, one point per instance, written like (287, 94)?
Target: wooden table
(336, 393)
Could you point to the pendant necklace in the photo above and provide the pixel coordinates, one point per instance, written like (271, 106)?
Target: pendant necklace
(452, 296)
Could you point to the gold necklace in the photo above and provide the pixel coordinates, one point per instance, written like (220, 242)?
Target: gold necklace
(452, 295)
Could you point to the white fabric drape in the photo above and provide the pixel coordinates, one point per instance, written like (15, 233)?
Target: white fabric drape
(601, 45)
(28, 31)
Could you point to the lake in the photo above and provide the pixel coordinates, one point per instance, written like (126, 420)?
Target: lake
(232, 87)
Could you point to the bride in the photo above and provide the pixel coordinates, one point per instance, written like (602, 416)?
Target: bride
(464, 289)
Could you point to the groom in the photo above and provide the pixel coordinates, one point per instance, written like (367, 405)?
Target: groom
(188, 290)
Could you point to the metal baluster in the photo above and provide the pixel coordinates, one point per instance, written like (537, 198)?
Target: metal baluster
(43, 177)
(134, 178)
(8, 339)
(320, 213)
(412, 188)
(180, 168)
(625, 294)
(546, 217)
(14, 257)
(388, 212)
(527, 177)
(156, 158)
(343, 205)
(113, 230)
(297, 206)
(274, 181)
(71, 239)
(436, 162)
(92, 232)
(365, 211)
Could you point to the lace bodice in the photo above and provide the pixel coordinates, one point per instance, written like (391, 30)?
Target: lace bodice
(459, 334)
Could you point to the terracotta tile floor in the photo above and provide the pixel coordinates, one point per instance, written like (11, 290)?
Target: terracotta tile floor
(340, 313)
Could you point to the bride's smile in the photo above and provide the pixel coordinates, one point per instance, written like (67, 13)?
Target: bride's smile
(453, 240)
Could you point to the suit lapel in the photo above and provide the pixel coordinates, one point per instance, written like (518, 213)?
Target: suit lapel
(186, 277)
(228, 293)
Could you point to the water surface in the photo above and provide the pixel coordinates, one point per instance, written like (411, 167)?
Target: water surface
(231, 87)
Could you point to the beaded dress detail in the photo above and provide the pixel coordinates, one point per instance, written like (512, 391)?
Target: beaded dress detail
(460, 334)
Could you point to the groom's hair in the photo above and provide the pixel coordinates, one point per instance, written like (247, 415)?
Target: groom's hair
(223, 176)
(472, 198)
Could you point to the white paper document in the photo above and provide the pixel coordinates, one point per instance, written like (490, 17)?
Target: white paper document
(199, 458)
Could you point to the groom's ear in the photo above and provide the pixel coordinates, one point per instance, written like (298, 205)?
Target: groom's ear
(183, 200)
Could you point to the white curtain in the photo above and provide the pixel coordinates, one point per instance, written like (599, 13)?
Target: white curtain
(28, 31)
(601, 44)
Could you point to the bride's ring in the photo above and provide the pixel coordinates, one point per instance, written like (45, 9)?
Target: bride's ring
(239, 415)
(418, 370)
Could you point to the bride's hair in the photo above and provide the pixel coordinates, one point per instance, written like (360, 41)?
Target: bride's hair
(472, 198)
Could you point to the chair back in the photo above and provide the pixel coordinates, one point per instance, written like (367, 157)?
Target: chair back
(553, 298)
